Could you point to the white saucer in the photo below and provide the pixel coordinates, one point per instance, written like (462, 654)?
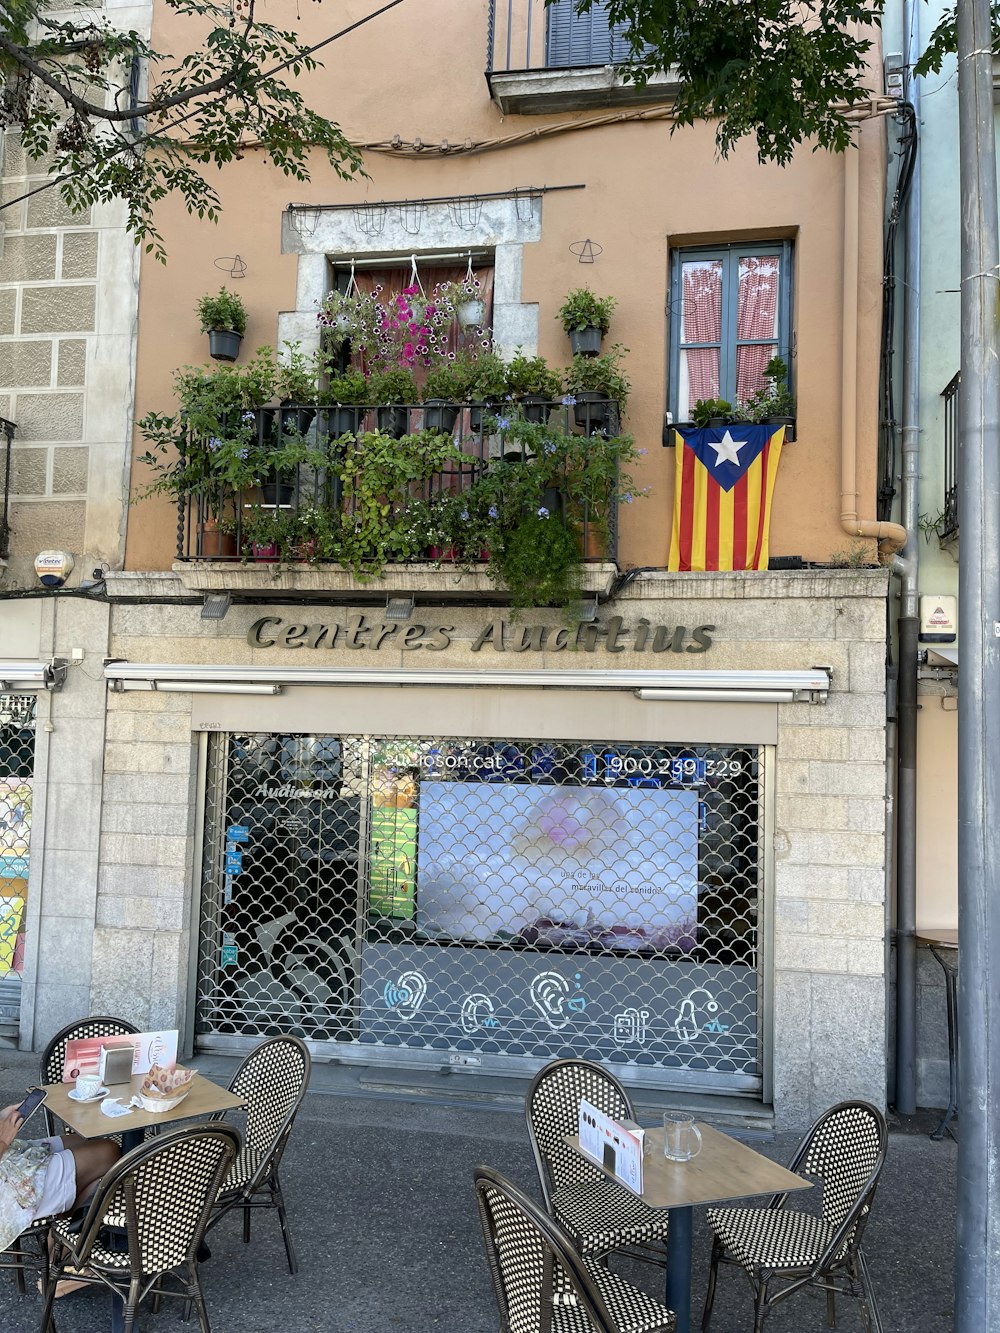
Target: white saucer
(74, 1096)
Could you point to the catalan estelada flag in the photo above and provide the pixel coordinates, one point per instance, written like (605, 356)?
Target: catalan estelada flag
(722, 496)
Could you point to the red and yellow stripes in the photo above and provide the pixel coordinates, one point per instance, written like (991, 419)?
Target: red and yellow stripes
(717, 529)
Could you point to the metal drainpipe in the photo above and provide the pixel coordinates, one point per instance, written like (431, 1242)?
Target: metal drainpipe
(908, 625)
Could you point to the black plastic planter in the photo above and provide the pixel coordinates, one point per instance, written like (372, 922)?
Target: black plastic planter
(440, 415)
(224, 344)
(585, 342)
(592, 410)
(478, 412)
(342, 420)
(393, 420)
(535, 408)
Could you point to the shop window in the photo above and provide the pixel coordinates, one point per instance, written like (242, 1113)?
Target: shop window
(522, 898)
(730, 312)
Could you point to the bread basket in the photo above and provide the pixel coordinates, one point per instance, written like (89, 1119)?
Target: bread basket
(157, 1104)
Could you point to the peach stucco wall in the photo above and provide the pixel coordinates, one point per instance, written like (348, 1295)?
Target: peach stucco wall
(645, 191)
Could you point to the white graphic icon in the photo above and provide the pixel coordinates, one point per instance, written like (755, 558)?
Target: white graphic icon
(477, 1012)
(727, 450)
(405, 995)
(686, 1024)
(630, 1026)
(550, 994)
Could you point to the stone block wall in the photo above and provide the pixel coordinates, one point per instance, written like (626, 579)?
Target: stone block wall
(68, 312)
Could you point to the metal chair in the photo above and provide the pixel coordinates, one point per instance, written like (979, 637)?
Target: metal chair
(845, 1150)
(273, 1080)
(54, 1055)
(599, 1214)
(161, 1194)
(542, 1284)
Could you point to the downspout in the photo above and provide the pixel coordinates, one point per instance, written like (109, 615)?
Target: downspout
(890, 536)
(909, 623)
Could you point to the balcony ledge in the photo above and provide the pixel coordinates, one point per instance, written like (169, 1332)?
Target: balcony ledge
(539, 91)
(443, 583)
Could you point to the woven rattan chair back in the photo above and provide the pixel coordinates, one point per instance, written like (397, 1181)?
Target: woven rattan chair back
(551, 1109)
(84, 1029)
(845, 1149)
(165, 1190)
(533, 1263)
(273, 1080)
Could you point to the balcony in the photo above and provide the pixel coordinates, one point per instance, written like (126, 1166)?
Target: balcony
(947, 525)
(543, 58)
(330, 497)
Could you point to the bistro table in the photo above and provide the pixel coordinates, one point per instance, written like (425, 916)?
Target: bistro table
(724, 1169)
(90, 1122)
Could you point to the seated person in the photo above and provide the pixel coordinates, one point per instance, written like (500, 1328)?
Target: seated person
(43, 1177)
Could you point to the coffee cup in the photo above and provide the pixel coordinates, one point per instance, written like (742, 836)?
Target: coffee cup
(88, 1085)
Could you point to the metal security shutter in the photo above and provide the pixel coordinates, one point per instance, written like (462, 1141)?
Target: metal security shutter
(508, 900)
(582, 39)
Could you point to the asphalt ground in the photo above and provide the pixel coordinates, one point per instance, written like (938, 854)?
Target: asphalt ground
(383, 1214)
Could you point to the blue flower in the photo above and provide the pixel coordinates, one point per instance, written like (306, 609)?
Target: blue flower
(626, 498)
(542, 512)
(214, 443)
(244, 453)
(493, 512)
(464, 516)
(569, 401)
(503, 423)
(248, 418)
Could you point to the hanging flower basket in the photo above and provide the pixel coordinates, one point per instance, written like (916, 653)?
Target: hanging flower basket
(471, 313)
(224, 344)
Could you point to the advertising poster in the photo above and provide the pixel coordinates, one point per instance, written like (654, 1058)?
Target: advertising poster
(149, 1048)
(392, 861)
(566, 866)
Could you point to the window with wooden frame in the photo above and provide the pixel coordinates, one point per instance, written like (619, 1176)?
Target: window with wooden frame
(730, 313)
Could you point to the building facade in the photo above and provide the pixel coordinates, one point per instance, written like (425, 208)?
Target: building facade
(428, 830)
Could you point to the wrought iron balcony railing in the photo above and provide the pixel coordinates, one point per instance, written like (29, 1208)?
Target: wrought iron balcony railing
(300, 512)
(948, 526)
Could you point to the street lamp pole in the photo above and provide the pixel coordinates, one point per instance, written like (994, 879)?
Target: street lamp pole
(977, 1280)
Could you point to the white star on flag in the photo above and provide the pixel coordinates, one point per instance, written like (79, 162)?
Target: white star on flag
(727, 450)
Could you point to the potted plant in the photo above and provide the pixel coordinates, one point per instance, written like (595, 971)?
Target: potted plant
(224, 319)
(586, 318)
(534, 384)
(345, 398)
(597, 388)
(466, 299)
(773, 403)
(488, 387)
(711, 412)
(297, 387)
(445, 389)
(537, 559)
(393, 391)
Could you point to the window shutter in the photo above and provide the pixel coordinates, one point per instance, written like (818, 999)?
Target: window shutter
(582, 39)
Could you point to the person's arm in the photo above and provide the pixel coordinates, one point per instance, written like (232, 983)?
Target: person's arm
(10, 1123)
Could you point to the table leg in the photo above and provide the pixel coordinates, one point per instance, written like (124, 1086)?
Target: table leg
(679, 1266)
(949, 967)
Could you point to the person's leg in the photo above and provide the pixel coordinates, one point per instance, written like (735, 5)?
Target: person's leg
(92, 1158)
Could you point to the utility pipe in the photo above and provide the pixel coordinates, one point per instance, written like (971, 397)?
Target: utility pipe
(977, 1273)
(890, 536)
(908, 627)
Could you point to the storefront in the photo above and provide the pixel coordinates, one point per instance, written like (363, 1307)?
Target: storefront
(471, 840)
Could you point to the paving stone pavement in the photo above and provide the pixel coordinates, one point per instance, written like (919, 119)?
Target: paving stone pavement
(382, 1210)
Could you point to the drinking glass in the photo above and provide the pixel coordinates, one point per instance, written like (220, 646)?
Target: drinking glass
(681, 1136)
